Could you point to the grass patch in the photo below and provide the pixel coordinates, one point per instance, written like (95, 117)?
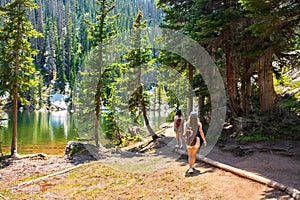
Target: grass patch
(254, 137)
(31, 177)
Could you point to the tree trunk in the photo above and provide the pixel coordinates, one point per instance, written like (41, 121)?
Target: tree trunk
(96, 132)
(190, 97)
(97, 113)
(231, 81)
(201, 104)
(150, 130)
(137, 45)
(143, 104)
(246, 88)
(13, 149)
(265, 82)
(98, 98)
(205, 124)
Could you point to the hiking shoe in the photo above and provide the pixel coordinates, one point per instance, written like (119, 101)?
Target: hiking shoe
(190, 171)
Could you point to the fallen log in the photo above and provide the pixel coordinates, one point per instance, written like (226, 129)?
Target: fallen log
(49, 176)
(3, 197)
(243, 173)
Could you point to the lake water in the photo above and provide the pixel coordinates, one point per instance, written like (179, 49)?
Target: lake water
(49, 132)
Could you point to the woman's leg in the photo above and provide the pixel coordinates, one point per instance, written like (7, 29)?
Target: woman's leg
(177, 139)
(193, 156)
(180, 139)
(190, 155)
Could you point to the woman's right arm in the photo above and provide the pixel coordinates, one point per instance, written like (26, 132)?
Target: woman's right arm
(184, 128)
(202, 134)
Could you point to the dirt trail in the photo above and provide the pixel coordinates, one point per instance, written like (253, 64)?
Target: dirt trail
(162, 171)
(276, 160)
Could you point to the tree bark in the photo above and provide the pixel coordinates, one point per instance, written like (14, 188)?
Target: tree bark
(231, 81)
(143, 105)
(13, 149)
(246, 87)
(200, 103)
(265, 82)
(98, 97)
(190, 97)
(137, 45)
(150, 130)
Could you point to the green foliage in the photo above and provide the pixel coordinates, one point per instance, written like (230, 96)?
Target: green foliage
(172, 99)
(65, 44)
(127, 139)
(110, 126)
(292, 103)
(281, 124)
(276, 22)
(137, 56)
(236, 34)
(282, 80)
(254, 137)
(14, 34)
(171, 116)
(16, 55)
(104, 27)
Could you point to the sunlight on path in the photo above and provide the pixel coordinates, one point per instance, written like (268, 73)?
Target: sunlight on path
(154, 159)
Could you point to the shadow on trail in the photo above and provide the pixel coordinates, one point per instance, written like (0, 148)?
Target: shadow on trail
(275, 160)
(164, 150)
(5, 162)
(152, 155)
(196, 172)
(146, 157)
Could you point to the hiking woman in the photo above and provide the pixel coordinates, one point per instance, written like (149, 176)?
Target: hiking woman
(195, 126)
(178, 128)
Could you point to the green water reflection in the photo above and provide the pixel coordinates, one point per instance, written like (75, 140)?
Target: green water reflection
(40, 132)
(49, 132)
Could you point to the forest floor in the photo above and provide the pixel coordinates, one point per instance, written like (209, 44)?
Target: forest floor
(155, 171)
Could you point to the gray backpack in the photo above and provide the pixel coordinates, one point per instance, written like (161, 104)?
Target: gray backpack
(190, 137)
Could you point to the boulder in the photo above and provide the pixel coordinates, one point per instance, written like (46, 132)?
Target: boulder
(81, 152)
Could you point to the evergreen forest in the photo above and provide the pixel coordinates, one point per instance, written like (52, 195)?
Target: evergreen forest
(47, 47)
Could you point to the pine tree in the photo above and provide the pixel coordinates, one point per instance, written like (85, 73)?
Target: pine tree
(100, 31)
(219, 27)
(139, 57)
(16, 54)
(274, 24)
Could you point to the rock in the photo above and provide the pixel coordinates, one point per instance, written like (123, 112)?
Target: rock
(134, 130)
(81, 152)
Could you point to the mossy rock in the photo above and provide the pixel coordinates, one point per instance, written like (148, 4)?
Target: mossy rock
(81, 152)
